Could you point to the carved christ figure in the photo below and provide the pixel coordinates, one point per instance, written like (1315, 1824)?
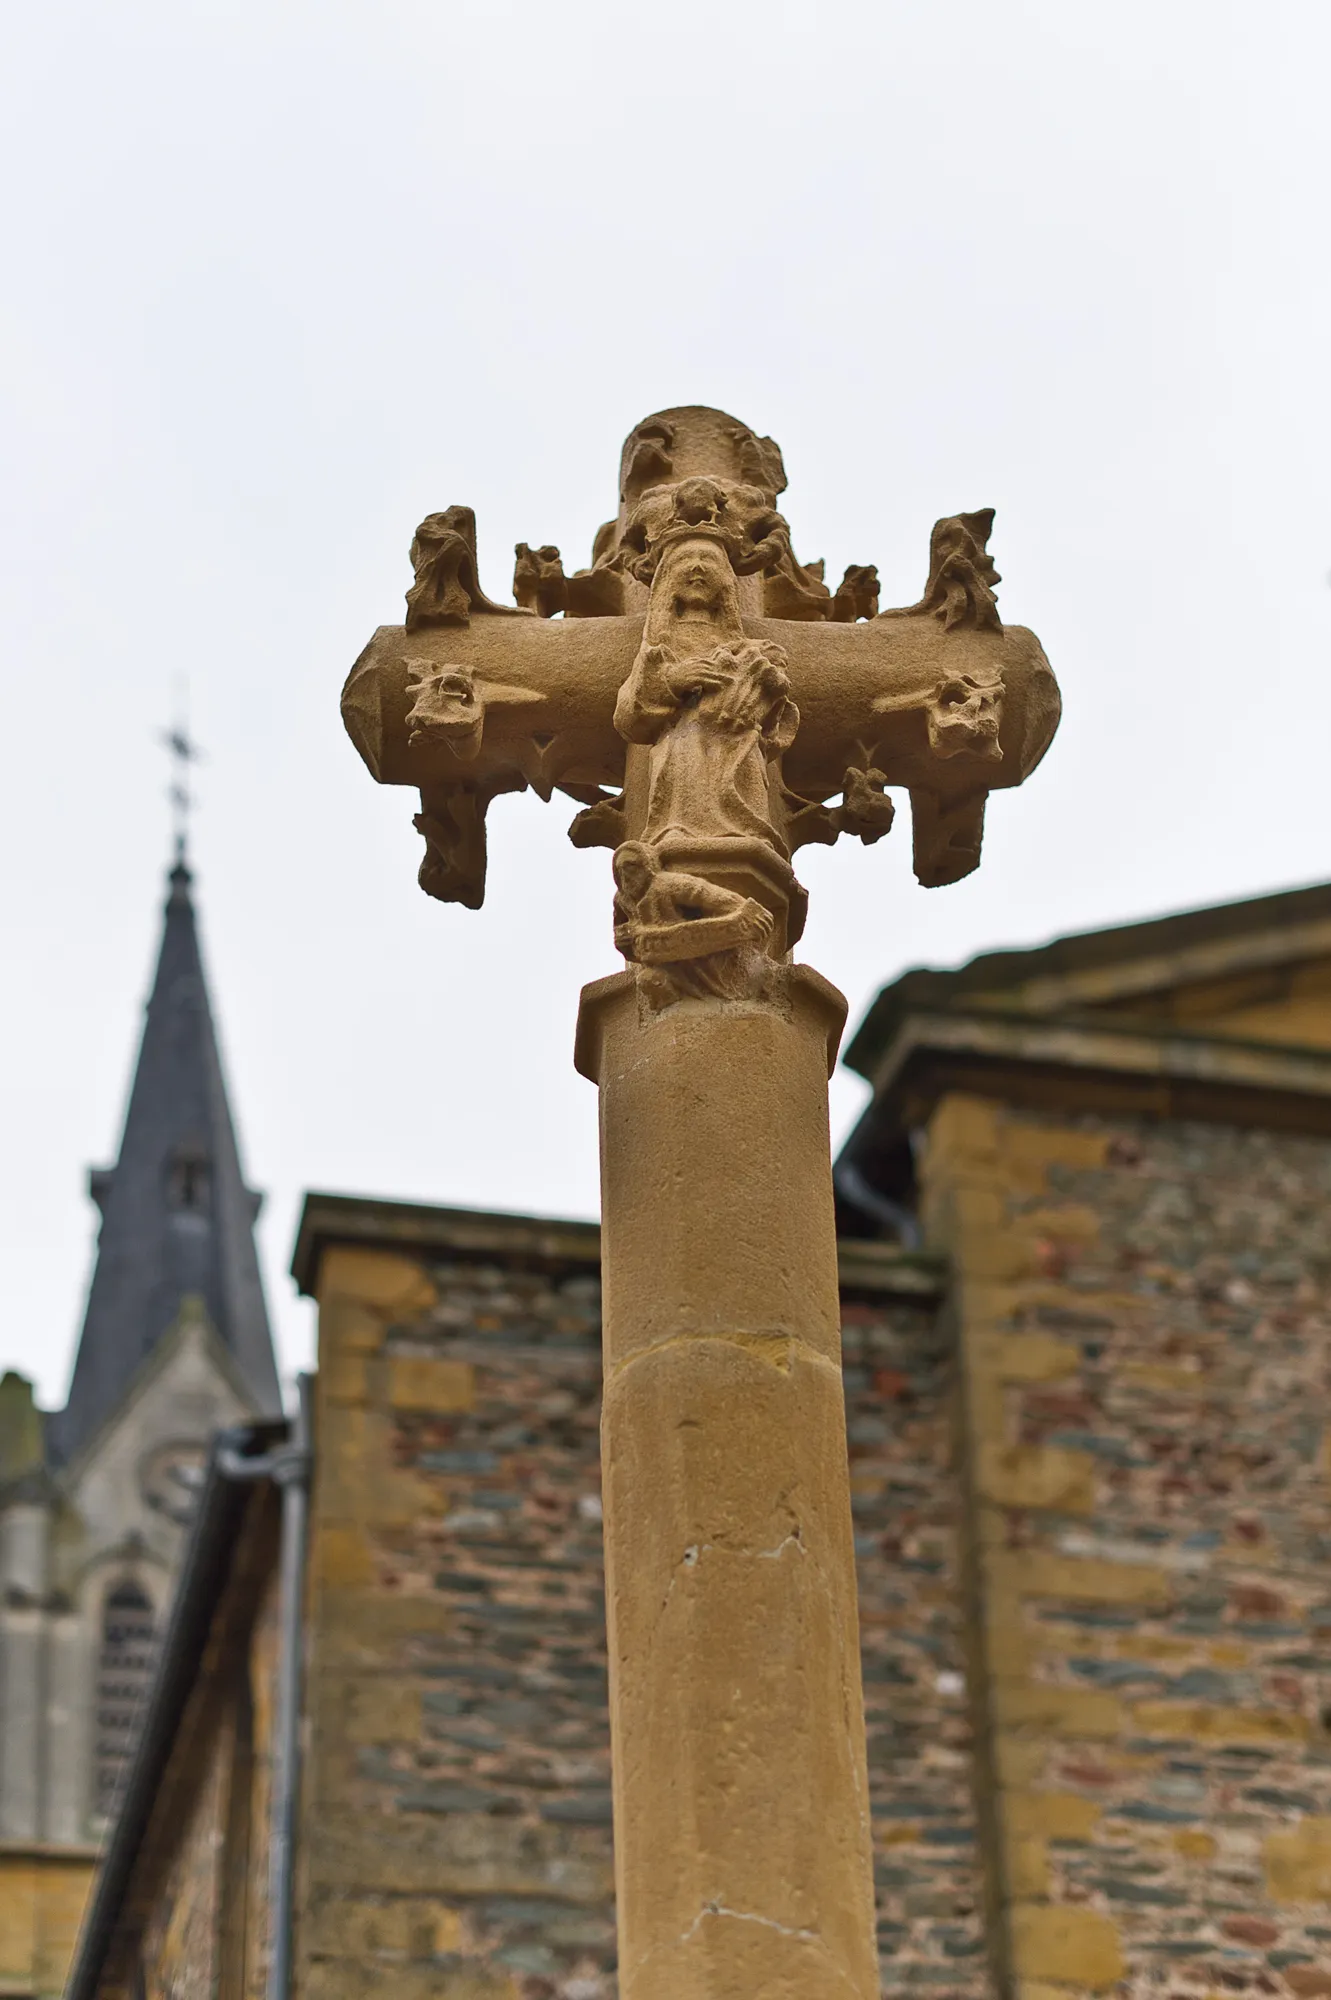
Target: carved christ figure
(664, 915)
(690, 936)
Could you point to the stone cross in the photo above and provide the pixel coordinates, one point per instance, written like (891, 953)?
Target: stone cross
(712, 706)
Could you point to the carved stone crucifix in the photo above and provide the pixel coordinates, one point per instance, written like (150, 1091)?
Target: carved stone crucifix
(712, 706)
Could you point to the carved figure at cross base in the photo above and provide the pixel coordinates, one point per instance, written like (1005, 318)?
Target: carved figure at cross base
(700, 690)
(712, 706)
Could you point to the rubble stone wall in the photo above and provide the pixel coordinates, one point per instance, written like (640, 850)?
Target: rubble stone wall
(458, 1838)
(1143, 1313)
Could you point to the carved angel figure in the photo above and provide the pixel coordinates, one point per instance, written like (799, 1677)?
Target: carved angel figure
(716, 725)
(664, 916)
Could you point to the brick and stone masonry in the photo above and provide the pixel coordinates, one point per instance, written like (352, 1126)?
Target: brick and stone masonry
(1142, 1314)
(458, 1825)
(1093, 1537)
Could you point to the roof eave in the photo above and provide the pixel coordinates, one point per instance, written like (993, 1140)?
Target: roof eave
(1124, 962)
(1091, 1064)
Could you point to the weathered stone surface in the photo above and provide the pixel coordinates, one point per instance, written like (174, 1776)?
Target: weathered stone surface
(1153, 1656)
(1075, 1947)
(734, 1644)
(459, 1763)
(1297, 1862)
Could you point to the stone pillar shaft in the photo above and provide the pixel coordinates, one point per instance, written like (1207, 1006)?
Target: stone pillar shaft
(742, 1833)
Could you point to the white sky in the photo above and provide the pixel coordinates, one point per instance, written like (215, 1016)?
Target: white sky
(279, 279)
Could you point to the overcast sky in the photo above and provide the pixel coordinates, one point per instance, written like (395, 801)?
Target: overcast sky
(280, 279)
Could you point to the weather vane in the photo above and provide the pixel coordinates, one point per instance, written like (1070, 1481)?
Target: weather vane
(184, 752)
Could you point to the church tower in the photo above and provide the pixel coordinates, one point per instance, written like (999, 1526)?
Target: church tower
(177, 1218)
(95, 1498)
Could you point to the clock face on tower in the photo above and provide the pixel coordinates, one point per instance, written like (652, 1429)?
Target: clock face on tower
(170, 1478)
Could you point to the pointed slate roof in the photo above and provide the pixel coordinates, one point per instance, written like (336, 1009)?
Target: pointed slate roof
(177, 1217)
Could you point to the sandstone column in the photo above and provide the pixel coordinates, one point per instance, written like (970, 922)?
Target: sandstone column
(743, 1858)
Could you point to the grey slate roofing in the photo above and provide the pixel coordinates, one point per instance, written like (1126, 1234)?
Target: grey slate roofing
(177, 1217)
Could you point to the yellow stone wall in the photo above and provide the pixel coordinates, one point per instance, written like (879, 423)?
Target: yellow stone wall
(1142, 1317)
(42, 1894)
(419, 1837)
(456, 1836)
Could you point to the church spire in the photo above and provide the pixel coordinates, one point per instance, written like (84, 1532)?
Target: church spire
(177, 1217)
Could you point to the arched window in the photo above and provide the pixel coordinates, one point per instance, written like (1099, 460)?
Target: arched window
(124, 1668)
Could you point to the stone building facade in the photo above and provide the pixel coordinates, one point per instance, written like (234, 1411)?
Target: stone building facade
(94, 1498)
(455, 1829)
(1145, 1351)
(1087, 1417)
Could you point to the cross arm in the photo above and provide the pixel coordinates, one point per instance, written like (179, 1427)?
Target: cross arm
(709, 684)
(947, 715)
